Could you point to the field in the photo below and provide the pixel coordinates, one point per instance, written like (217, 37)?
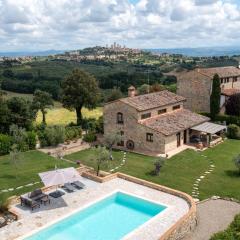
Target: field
(59, 115)
(62, 116)
(181, 171)
(27, 170)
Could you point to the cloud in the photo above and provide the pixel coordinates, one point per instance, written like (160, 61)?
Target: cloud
(64, 24)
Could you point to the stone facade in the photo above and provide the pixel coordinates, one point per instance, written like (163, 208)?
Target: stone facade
(157, 132)
(196, 86)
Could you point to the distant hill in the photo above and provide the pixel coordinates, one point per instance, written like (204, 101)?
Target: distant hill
(29, 53)
(199, 52)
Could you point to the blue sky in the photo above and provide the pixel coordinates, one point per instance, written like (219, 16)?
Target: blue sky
(63, 24)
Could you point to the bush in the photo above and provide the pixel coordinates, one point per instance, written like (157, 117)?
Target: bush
(225, 118)
(5, 144)
(51, 136)
(90, 137)
(231, 233)
(92, 124)
(73, 132)
(31, 140)
(233, 131)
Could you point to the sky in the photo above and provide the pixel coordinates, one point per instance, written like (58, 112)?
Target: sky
(33, 25)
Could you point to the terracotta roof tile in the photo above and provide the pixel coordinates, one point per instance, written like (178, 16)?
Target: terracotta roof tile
(221, 71)
(230, 92)
(175, 121)
(153, 100)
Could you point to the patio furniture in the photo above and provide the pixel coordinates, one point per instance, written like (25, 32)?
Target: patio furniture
(56, 194)
(68, 187)
(45, 200)
(78, 184)
(29, 202)
(37, 195)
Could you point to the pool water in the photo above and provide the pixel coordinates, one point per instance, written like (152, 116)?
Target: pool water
(109, 219)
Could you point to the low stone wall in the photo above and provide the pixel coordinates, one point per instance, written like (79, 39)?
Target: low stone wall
(184, 225)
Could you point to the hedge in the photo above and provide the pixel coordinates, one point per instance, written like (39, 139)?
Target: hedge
(225, 118)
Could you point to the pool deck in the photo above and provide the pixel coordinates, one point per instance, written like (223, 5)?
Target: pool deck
(71, 202)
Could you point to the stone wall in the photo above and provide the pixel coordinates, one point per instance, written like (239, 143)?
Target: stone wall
(196, 89)
(132, 129)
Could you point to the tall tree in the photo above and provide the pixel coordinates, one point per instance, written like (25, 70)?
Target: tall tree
(4, 114)
(42, 101)
(21, 112)
(215, 97)
(233, 105)
(79, 90)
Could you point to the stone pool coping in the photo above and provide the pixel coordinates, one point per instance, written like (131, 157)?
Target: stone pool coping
(184, 225)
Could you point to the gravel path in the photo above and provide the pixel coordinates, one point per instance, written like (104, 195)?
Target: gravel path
(214, 216)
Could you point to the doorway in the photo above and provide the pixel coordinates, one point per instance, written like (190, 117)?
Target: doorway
(178, 139)
(185, 137)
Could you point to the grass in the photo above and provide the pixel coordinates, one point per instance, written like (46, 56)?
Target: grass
(58, 115)
(62, 116)
(31, 164)
(181, 171)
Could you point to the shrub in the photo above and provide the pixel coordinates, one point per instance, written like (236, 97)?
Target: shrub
(233, 131)
(31, 140)
(51, 136)
(225, 118)
(90, 137)
(93, 124)
(73, 132)
(5, 144)
(231, 233)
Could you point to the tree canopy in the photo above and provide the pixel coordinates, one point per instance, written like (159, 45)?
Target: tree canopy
(41, 101)
(79, 89)
(233, 105)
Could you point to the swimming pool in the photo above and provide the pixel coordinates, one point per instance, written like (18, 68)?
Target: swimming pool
(109, 219)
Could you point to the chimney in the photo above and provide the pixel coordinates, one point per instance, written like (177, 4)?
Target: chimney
(131, 91)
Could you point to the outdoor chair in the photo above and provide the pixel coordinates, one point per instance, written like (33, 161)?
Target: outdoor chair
(68, 187)
(78, 184)
(29, 202)
(37, 195)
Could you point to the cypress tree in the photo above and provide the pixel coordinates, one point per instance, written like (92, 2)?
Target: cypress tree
(215, 97)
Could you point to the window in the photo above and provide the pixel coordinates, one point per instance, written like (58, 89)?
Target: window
(121, 133)
(146, 115)
(119, 118)
(162, 111)
(176, 107)
(149, 137)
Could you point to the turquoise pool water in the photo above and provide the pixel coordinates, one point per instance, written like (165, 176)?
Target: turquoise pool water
(109, 219)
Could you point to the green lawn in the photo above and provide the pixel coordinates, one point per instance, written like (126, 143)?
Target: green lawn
(31, 164)
(181, 171)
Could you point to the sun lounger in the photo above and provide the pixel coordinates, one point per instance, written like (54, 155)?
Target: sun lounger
(68, 187)
(56, 194)
(78, 184)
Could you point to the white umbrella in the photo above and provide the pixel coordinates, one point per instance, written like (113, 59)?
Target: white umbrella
(59, 176)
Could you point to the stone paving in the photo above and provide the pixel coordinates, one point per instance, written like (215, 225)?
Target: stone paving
(123, 162)
(195, 189)
(213, 216)
(72, 202)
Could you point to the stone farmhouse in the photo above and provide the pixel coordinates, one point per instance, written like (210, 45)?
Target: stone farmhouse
(196, 86)
(155, 123)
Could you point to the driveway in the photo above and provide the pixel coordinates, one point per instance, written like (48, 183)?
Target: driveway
(213, 216)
